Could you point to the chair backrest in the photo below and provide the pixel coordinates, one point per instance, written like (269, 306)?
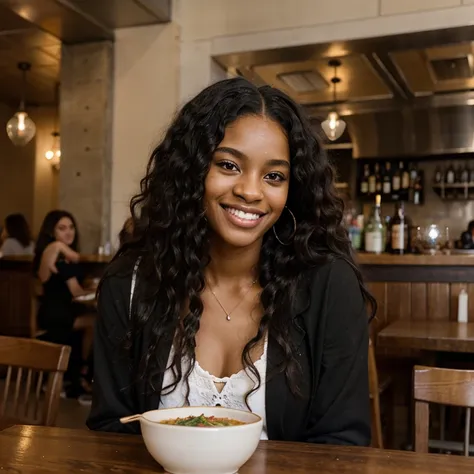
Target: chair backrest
(32, 365)
(377, 437)
(443, 387)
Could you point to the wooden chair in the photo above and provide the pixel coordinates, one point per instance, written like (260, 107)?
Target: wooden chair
(31, 365)
(443, 387)
(377, 386)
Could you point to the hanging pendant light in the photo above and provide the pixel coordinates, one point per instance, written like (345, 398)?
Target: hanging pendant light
(20, 128)
(54, 152)
(334, 126)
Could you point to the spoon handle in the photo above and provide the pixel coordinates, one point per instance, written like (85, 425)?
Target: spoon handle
(129, 419)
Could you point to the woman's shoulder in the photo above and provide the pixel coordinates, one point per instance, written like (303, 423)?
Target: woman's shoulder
(11, 245)
(336, 270)
(119, 274)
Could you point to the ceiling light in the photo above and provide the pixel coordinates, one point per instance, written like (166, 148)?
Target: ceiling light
(334, 126)
(20, 128)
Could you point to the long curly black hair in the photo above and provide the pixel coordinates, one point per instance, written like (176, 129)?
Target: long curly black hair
(172, 236)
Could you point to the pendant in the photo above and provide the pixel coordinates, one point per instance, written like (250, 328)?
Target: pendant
(228, 317)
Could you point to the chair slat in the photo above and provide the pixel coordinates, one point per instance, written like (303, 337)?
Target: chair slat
(443, 387)
(34, 362)
(6, 390)
(27, 393)
(467, 431)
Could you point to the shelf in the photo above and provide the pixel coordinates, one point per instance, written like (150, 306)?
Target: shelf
(394, 197)
(455, 192)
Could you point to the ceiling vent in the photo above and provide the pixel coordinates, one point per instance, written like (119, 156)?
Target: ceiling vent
(304, 81)
(452, 69)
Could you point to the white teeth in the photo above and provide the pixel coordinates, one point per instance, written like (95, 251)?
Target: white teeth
(243, 215)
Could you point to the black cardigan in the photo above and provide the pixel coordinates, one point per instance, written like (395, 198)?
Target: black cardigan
(330, 329)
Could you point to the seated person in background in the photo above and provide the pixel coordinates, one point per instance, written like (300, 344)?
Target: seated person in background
(16, 237)
(466, 242)
(56, 263)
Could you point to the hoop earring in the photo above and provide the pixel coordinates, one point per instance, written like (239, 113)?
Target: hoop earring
(290, 238)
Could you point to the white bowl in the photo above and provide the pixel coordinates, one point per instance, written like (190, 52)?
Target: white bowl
(193, 450)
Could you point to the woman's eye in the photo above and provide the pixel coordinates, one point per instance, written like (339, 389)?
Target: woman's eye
(275, 177)
(228, 166)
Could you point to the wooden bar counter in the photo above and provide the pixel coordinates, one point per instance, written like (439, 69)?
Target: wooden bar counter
(413, 289)
(18, 296)
(418, 287)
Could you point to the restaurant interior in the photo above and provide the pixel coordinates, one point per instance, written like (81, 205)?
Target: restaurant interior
(86, 90)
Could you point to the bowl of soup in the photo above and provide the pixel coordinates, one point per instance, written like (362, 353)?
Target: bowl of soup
(196, 440)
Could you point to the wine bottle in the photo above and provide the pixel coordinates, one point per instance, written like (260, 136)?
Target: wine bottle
(374, 230)
(413, 178)
(397, 179)
(364, 183)
(418, 189)
(399, 230)
(450, 176)
(378, 179)
(405, 177)
(372, 183)
(387, 179)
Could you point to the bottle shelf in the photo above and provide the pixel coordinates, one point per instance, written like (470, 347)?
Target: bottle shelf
(455, 192)
(393, 197)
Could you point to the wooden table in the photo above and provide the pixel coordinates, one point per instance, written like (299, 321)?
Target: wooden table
(39, 450)
(442, 336)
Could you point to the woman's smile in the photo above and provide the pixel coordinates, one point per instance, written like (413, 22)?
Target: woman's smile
(243, 217)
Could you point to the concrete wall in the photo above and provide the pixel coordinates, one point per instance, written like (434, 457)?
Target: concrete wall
(17, 165)
(146, 83)
(86, 138)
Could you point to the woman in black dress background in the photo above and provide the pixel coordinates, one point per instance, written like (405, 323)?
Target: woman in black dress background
(56, 264)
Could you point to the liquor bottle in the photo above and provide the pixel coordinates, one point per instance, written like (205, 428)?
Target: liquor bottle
(450, 179)
(413, 178)
(465, 174)
(405, 179)
(399, 230)
(387, 179)
(397, 179)
(372, 183)
(374, 230)
(418, 189)
(438, 176)
(378, 179)
(450, 176)
(364, 183)
(471, 175)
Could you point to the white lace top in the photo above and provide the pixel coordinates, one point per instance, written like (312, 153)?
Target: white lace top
(203, 391)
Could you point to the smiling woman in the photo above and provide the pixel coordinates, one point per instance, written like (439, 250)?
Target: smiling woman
(238, 288)
(246, 188)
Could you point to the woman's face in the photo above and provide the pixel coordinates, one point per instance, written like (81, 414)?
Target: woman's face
(246, 188)
(65, 231)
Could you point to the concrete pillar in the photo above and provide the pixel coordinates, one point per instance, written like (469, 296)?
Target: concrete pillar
(86, 127)
(146, 96)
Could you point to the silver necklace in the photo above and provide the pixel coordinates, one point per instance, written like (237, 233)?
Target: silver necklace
(228, 313)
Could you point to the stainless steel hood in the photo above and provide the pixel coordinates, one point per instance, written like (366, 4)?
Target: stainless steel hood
(407, 95)
(421, 129)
